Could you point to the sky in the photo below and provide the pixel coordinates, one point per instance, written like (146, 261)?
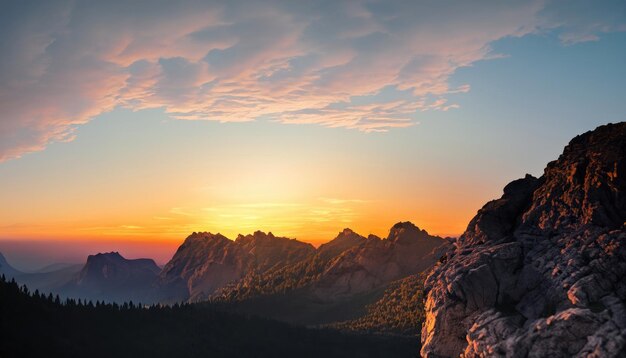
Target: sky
(126, 126)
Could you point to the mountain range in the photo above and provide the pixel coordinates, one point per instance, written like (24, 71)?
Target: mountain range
(258, 274)
(539, 272)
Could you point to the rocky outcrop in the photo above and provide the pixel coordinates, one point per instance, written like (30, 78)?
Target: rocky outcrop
(206, 262)
(542, 270)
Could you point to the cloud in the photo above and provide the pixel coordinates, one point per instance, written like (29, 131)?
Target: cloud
(580, 22)
(367, 65)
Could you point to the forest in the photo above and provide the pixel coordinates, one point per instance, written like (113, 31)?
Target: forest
(34, 324)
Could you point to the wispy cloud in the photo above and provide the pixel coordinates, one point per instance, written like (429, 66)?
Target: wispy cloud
(64, 62)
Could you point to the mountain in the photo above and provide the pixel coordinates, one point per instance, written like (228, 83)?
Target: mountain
(47, 279)
(407, 250)
(51, 278)
(345, 240)
(56, 267)
(339, 280)
(206, 262)
(291, 277)
(6, 269)
(542, 270)
(111, 277)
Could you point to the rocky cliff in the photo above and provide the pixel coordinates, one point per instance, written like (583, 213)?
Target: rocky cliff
(407, 250)
(206, 262)
(542, 270)
(348, 265)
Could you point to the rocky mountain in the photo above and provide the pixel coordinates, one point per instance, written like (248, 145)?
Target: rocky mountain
(113, 278)
(206, 262)
(345, 240)
(291, 277)
(542, 270)
(348, 265)
(339, 280)
(407, 250)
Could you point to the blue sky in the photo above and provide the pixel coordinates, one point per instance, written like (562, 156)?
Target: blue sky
(289, 118)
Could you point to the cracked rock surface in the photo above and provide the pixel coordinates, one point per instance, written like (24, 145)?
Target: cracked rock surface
(540, 272)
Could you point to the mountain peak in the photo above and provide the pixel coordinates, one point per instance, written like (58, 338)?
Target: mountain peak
(203, 237)
(255, 236)
(106, 255)
(344, 240)
(347, 234)
(115, 258)
(404, 225)
(585, 185)
(406, 232)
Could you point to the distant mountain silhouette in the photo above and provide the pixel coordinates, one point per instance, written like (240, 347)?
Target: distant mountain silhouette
(111, 277)
(540, 272)
(8, 270)
(56, 267)
(47, 279)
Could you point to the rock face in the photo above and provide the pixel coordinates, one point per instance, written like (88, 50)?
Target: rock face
(542, 270)
(111, 277)
(376, 262)
(345, 240)
(338, 281)
(206, 262)
(346, 266)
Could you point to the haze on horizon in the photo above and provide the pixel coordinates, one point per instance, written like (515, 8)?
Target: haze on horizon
(127, 126)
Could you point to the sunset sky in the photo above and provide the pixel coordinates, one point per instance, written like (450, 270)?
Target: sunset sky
(128, 125)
